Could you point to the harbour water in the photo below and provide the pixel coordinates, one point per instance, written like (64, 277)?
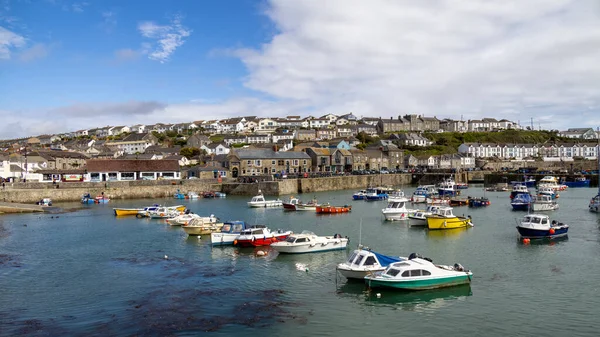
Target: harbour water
(89, 273)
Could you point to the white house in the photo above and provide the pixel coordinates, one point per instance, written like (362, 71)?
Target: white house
(258, 139)
(215, 148)
(331, 117)
(267, 125)
(279, 136)
(319, 123)
(117, 130)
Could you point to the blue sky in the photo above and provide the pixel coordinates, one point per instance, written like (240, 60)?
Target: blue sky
(67, 65)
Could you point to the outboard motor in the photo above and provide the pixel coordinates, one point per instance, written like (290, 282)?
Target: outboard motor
(413, 256)
(458, 267)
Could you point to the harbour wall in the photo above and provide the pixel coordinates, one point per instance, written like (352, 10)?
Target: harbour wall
(29, 193)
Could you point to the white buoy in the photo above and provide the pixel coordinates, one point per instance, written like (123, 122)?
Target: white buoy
(378, 295)
(166, 257)
(260, 253)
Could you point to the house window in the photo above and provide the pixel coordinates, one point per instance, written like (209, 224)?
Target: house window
(304, 161)
(257, 162)
(272, 162)
(280, 162)
(296, 162)
(249, 162)
(273, 170)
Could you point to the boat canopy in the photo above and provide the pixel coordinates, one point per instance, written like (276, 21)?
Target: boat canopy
(385, 260)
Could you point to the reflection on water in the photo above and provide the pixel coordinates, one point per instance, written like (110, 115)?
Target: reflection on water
(544, 241)
(447, 233)
(410, 301)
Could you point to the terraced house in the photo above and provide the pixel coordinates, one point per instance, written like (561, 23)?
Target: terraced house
(261, 162)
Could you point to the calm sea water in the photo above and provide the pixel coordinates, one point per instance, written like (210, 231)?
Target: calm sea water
(89, 273)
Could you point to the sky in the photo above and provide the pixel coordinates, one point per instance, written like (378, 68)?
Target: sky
(68, 65)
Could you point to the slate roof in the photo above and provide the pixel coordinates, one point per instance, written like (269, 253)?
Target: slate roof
(269, 154)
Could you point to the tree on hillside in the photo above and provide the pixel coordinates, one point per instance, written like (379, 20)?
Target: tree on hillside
(190, 152)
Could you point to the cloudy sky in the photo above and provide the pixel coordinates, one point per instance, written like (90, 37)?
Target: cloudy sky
(67, 65)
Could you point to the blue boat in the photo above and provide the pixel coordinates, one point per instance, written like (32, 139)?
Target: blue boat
(478, 202)
(229, 232)
(539, 226)
(179, 195)
(518, 189)
(87, 199)
(374, 194)
(578, 182)
(360, 195)
(521, 202)
(447, 188)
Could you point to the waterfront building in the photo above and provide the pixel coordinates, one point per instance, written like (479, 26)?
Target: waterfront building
(255, 162)
(124, 169)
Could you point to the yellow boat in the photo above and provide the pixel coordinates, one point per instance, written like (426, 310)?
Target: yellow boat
(444, 219)
(143, 211)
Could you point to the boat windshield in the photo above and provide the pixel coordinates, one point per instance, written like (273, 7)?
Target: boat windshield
(359, 259)
(392, 272)
(226, 228)
(351, 258)
(290, 239)
(395, 205)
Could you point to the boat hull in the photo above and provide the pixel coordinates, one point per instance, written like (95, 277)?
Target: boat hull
(357, 274)
(257, 242)
(536, 207)
(422, 284)
(582, 183)
(396, 216)
(289, 207)
(264, 204)
(223, 239)
(528, 233)
(435, 223)
(306, 208)
(377, 197)
(339, 244)
(333, 209)
(520, 207)
(200, 230)
(126, 211)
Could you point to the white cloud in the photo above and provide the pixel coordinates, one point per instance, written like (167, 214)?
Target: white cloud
(168, 38)
(8, 42)
(518, 59)
(109, 21)
(37, 51)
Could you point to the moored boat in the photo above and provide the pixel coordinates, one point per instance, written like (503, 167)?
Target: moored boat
(327, 208)
(445, 219)
(290, 205)
(145, 212)
(462, 186)
(364, 261)
(419, 273)
(220, 195)
(544, 203)
(549, 191)
(202, 225)
(254, 237)
(396, 210)
(178, 195)
(478, 201)
(229, 232)
(87, 199)
(260, 201)
(192, 195)
(447, 187)
(101, 199)
(310, 206)
(423, 192)
(360, 195)
(375, 194)
(459, 201)
(182, 219)
(397, 195)
(419, 218)
(518, 189)
(438, 201)
(539, 226)
(44, 202)
(309, 242)
(521, 202)
(208, 194)
(578, 182)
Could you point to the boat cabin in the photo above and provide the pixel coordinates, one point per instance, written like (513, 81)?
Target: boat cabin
(233, 227)
(535, 221)
(363, 259)
(520, 188)
(405, 269)
(258, 198)
(544, 198)
(397, 204)
(445, 212)
(549, 179)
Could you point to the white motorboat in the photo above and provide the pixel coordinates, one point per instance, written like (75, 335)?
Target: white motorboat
(308, 242)
(419, 273)
(397, 195)
(549, 191)
(423, 192)
(152, 209)
(419, 218)
(44, 202)
(164, 213)
(544, 203)
(202, 225)
(538, 226)
(193, 195)
(260, 236)
(438, 201)
(311, 206)
(396, 210)
(260, 201)
(229, 232)
(364, 261)
(182, 219)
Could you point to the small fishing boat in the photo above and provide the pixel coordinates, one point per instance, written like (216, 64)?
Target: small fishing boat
(192, 195)
(44, 202)
(419, 273)
(550, 181)
(396, 195)
(500, 187)
(479, 201)
(178, 195)
(260, 201)
(310, 206)
(549, 191)
(145, 212)
(327, 208)
(290, 205)
(544, 203)
(163, 213)
(364, 261)
(202, 225)
(88, 199)
(396, 210)
(447, 187)
(527, 181)
(578, 182)
(360, 195)
(419, 218)
(375, 194)
(208, 194)
(539, 226)
(255, 237)
(101, 199)
(229, 232)
(182, 219)
(462, 186)
(308, 242)
(438, 201)
(518, 189)
(423, 192)
(220, 195)
(521, 202)
(445, 219)
(458, 201)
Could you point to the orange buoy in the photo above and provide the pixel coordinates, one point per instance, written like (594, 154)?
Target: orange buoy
(526, 241)
(234, 242)
(552, 231)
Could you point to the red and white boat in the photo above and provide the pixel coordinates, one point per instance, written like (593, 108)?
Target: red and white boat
(254, 237)
(291, 204)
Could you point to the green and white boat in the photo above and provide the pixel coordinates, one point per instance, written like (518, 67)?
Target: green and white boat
(419, 273)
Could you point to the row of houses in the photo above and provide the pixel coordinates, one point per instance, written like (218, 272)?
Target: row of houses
(422, 123)
(548, 151)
